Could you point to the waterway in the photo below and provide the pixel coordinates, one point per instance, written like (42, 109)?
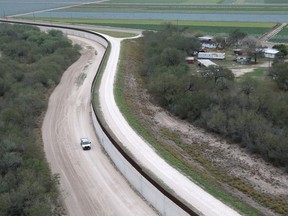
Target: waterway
(13, 7)
(213, 16)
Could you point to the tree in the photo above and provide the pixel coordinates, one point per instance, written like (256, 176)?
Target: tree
(248, 86)
(168, 83)
(282, 48)
(4, 87)
(17, 51)
(279, 73)
(235, 37)
(186, 44)
(26, 184)
(196, 104)
(217, 74)
(221, 42)
(171, 57)
(249, 45)
(55, 33)
(216, 120)
(164, 87)
(169, 28)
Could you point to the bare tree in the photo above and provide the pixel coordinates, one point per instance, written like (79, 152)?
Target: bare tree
(249, 45)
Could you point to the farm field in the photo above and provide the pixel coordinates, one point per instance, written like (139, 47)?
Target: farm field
(166, 1)
(212, 17)
(179, 8)
(211, 28)
(267, 1)
(252, 16)
(202, 1)
(281, 37)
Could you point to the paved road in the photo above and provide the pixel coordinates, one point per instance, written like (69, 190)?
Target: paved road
(274, 31)
(90, 184)
(182, 186)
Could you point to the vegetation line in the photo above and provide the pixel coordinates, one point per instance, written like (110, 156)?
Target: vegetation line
(31, 65)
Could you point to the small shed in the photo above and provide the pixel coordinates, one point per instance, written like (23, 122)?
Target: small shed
(270, 53)
(190, 60)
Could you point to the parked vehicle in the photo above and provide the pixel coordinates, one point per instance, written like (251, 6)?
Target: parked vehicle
(243, 59)
(85, 143)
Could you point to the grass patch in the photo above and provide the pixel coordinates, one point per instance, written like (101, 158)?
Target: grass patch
(258, 73)
(116, 34)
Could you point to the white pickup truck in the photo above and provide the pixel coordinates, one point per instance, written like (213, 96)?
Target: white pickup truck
(85, 143)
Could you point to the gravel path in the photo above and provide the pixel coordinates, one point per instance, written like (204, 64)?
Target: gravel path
(89, 183)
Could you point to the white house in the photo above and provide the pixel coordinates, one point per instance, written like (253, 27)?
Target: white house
(211, 55)
(270, 53)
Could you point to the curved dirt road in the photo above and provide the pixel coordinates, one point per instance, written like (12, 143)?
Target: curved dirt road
(88, 181)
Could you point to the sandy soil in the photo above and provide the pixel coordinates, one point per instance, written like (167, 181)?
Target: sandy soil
(263, 176)
(89, 183)
(239, 71)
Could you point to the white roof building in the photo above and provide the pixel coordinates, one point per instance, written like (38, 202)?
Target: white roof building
(270, 53)
(206, 62)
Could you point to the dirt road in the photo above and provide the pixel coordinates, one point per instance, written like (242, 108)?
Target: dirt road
(89, 182)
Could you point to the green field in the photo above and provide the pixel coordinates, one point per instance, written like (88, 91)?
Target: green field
(166, 1)
(189, 6)
(281, 37)
(211, 28)
(104, 7)
(267, 1)
(183, 6)
(199, 1)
